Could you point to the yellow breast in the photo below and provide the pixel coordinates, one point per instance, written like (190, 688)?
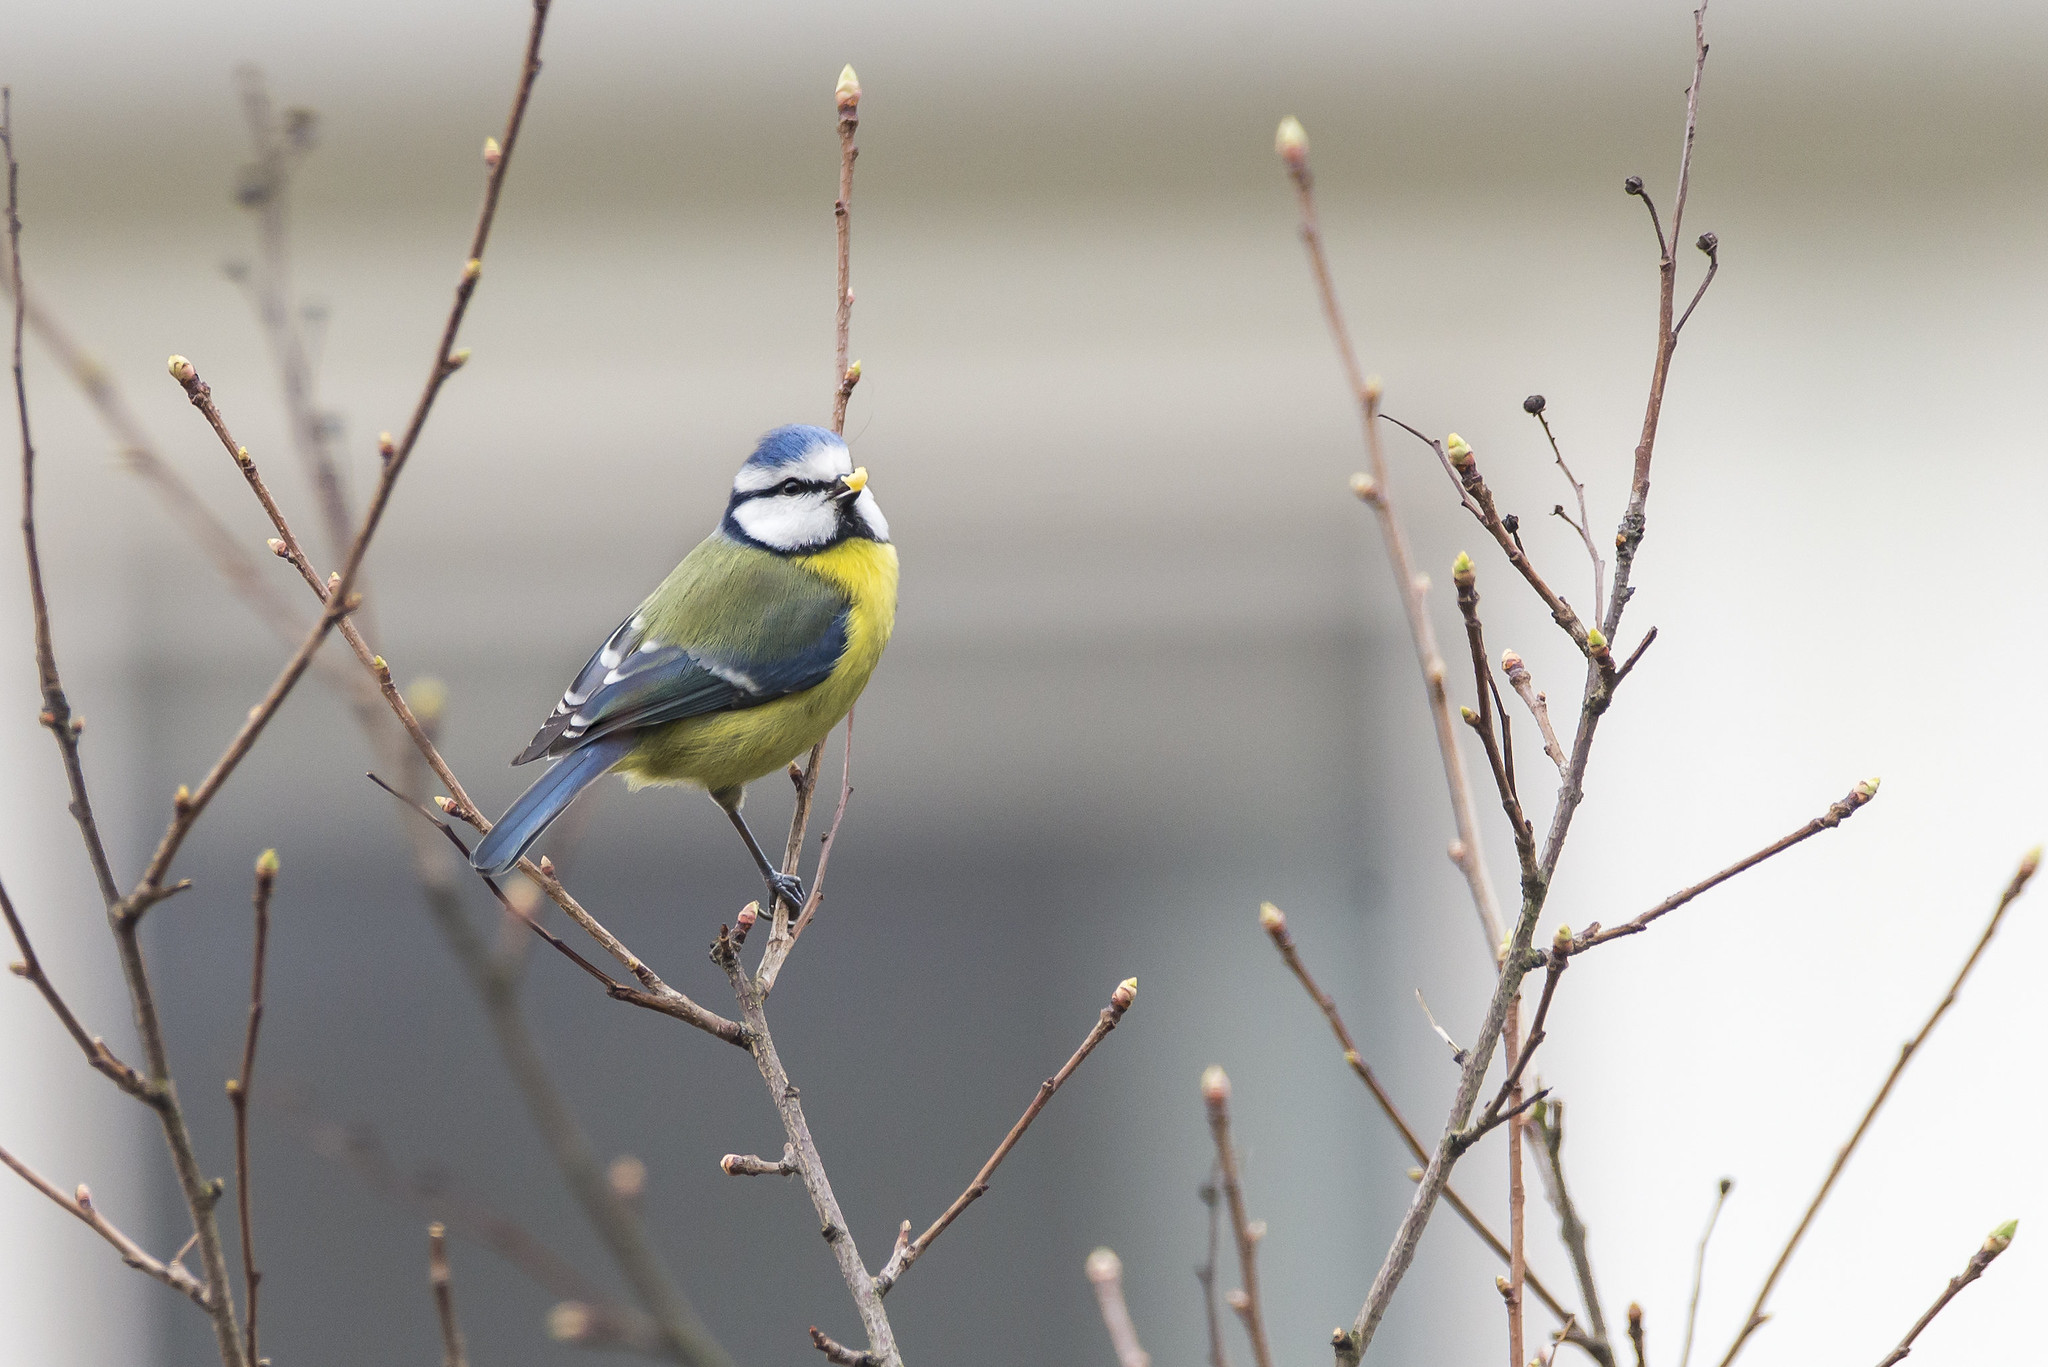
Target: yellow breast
(728, 750)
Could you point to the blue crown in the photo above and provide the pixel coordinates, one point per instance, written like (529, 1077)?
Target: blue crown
(787, 445)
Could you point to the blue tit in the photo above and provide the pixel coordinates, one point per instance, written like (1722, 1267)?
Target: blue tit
(747, 655)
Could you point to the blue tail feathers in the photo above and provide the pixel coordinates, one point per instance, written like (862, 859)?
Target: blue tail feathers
(547, 799)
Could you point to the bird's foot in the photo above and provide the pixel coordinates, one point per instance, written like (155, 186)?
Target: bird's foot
(788, 888)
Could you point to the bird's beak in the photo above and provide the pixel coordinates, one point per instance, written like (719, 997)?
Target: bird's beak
(854, 483)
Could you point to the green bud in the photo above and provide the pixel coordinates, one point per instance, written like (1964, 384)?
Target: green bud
(1461, 568)
(2001, 1238)
(1595, 640)
(266, 864)
(1458, 449)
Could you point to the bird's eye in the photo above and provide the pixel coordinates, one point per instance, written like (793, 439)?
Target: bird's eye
(791, 486)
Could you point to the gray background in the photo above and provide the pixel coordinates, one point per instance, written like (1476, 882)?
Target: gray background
(1147, 672)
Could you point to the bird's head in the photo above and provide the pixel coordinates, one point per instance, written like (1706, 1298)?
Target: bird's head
(800, 492)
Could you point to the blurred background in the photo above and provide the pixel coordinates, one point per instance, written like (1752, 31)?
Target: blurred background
(1148, 669)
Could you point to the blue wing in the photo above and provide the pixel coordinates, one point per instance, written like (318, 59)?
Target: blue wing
(632, 682)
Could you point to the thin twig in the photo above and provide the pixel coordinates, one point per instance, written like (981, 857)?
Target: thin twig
(1537, 703)
(1106, 1272)
(1274, 922)
(749, 1165)
(200, 1194)
(789, 1106)
(171, 1274)
(1699, 1267)
(1635, 1332)
(838, 1353)
(1468, 854)
(1246, 1231)
(1534, 407)
(2000, 1240)
(265, 191)
(1633, 522)
(907, 1253)
(1756, 1317)
(238, 1091)
(845, 375)
(1835, 815)
(1518, 1264)
(1456, 456)
(1546, 1128)
(783, 935)
(438, 1273)
(1205, 1274)
(94, 1048)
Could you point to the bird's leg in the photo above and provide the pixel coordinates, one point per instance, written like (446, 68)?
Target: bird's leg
(786, 886)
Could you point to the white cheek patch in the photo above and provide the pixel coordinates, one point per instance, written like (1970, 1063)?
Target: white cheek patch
(788, 522)
(820, 464)
(870, 513)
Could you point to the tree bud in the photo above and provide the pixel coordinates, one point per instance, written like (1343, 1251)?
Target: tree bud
(1272, 920)
(182, 371)
(1291, 142)
(847, 93)
(1215, 1085)
(1105, 1266)
(492, 155)
(1633, 185)
(266, 865)
(1459, 450)
(1126, 993)
(2001, 1238)
(1533, 404)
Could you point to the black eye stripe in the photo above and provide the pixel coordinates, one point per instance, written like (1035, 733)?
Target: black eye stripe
(778, 490)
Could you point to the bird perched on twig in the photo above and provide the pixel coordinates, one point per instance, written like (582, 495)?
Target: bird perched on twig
(746, 656)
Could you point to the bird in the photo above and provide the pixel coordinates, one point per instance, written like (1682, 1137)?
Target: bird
(745, 657)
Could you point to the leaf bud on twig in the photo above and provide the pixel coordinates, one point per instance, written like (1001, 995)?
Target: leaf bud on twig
(2030, 862)
(1533, 404)
(384, 446)
(627, 1177)
(1272, 920)
(458, 359)
(1867, 789)
(83, 1195)
(1459, 450)
(1126, 993)
(1104, 1266)
(1238, 1299)
(1562, 941)
(847, 93)
(1215, 1085)
(1468, 716)
(1365, 487)
(278, 548)
(492, 154)
(1291, 142)
(182, 371)
(2001, 1238)
(18, 969)
(266, 865)
(1633, 185)
(1374, 387)
(569, 1322)
(1708, 243)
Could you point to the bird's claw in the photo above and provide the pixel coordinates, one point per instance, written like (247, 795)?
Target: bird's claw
(787, 888)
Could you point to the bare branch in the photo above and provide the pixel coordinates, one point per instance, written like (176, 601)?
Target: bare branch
(907, 1253)
(845, 375)
(1547, 1127)
(1274, 922)
(747, 1165)
(238, 1091)
(92, 1046)
(1699, 1267)
(2028, 865)
(171, 1274)
(452, 1352)
(1246, 1231)
(1212, 1198)
(867, 1298)
(1106, 1272)
(1538, 704)
(1534, 407)
(2000, 1240)
(1373, 489)
(1835, 815)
